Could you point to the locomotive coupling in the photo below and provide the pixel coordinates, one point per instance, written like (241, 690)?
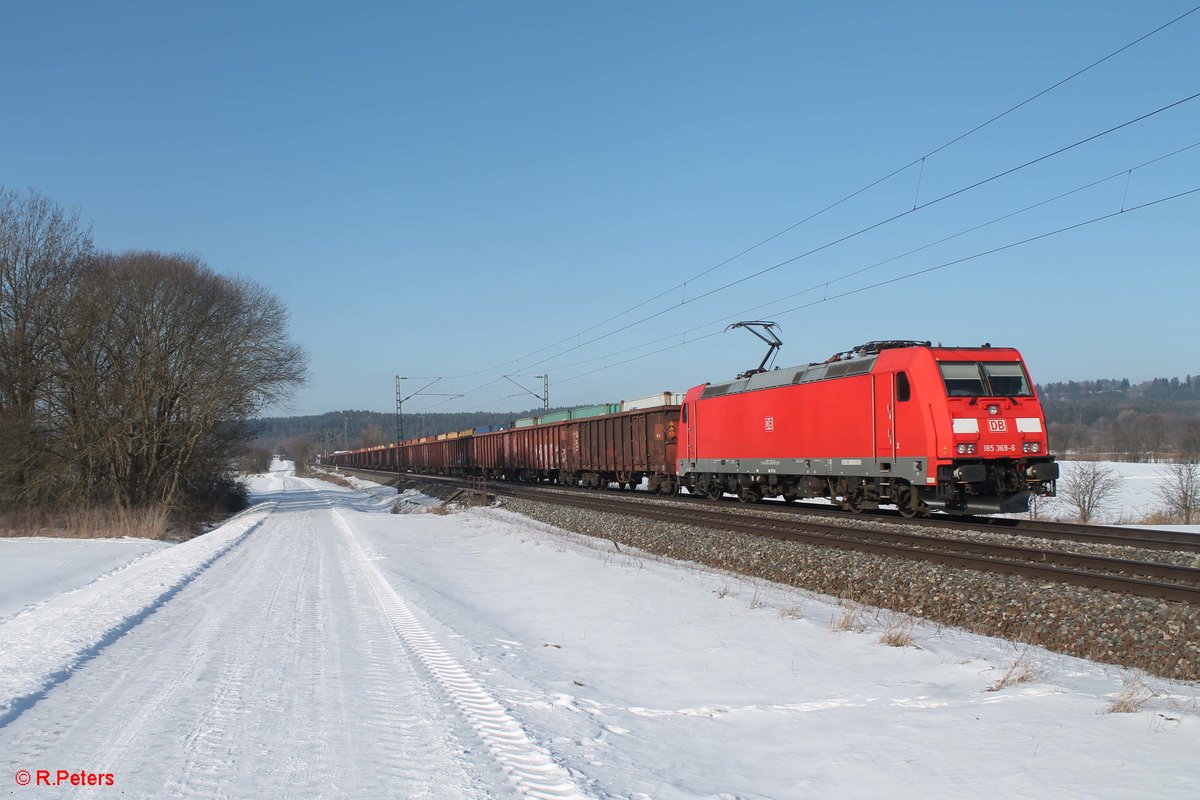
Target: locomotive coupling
(1046, 471)
(971, 473)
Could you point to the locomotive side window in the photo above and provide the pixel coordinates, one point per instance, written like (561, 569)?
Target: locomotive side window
(685, 416)
(903, 391)
(1007, 379)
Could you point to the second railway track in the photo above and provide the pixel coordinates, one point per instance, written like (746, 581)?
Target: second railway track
(883, 536)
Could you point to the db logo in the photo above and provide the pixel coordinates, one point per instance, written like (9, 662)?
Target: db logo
(997, 426)
(769, 422)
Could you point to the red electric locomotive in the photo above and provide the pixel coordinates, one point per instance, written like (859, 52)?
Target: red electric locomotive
(921, 427)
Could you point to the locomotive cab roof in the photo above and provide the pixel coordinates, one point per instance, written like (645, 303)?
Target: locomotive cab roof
(856, 361)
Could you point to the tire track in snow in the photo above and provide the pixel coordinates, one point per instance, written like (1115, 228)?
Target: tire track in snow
(397, 716)
(212, 743)
(527, 764)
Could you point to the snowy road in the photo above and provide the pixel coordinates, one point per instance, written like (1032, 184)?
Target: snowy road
(285, 669)
(325, 649)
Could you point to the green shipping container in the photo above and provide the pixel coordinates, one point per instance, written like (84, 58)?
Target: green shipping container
(593, 411)
(557, 416)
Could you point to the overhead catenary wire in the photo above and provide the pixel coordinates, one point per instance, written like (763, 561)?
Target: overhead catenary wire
(846, 237)
(825, 284)
(873, 226)
(913, 274)
(867, 187)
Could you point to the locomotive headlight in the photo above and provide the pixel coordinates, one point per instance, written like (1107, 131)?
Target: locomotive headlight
(962, 448)
(993, 409)
(1034, 447)
(970, 449)
(965, 449)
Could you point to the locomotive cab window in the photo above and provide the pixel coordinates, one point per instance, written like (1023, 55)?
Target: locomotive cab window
(1007, 379)
(963, 379)
(903, 391)
(996, 379)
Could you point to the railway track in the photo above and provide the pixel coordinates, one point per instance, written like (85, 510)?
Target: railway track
(1041, 529)
(1128, 576)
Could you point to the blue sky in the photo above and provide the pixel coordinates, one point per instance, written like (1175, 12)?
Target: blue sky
(448, 188)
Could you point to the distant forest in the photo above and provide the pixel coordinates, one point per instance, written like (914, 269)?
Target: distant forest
(1152, 421)
(1106, 418)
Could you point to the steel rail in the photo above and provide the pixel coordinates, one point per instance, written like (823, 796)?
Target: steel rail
(847, 538)
(1006, 559)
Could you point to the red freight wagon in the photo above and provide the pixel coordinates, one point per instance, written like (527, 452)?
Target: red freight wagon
(487, 453)
(616, 448)
(624, 448)
(439, 455)
(537, 452)
(898, 422)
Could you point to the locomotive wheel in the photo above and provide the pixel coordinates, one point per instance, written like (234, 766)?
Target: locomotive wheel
(908, 505)
(715, 491)
(852, 502)
(748, 495)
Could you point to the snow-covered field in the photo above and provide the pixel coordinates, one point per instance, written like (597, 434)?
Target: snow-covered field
(319, 646)
(34, 569)
(1135, 498)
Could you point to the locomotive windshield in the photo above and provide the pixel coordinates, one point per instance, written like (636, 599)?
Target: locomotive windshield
(987, 379)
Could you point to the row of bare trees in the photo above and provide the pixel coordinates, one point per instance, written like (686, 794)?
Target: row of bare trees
(125, 380)
(1090, 485)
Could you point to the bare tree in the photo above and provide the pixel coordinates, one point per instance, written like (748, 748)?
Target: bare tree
(254, 461)
(1087, 486)
(372, 436)
(301, 452)
(42, 248)
(163, 360)
(1180, 489)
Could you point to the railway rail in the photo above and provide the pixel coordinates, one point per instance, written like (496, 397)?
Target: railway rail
(1128, 576)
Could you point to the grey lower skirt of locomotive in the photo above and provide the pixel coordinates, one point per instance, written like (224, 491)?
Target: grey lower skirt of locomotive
(995, 486)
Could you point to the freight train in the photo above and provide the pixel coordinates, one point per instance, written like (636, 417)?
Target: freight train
(905, 423)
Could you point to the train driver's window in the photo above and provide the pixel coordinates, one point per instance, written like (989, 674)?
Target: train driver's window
(685, 416)
(903, 391)
(962, 379)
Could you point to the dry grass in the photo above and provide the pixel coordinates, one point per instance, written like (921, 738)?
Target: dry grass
(89, 523)
(1022, 670)
(791, 612)
(1160, 517)
(1133, 695)
(441, 509)
(329, 477)
(851, 620)
(898, 631)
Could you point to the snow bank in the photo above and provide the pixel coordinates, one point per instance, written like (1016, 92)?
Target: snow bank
(41, 646)
(33, 569)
